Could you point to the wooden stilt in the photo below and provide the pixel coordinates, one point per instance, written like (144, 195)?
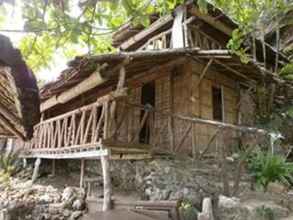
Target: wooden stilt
(24, 163)
(107, 183)
(36, 169)
(105, 165)
(53, 168)
(82, 168)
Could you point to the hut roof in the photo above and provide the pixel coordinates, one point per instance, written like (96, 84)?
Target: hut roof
(19, 94)
(140, 62)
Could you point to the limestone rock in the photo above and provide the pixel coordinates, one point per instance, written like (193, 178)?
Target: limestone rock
(207, 210)
(276, 188)
(78, 205)
(75, 215)
(227, 202)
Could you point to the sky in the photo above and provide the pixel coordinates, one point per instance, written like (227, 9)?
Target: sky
(14, 22)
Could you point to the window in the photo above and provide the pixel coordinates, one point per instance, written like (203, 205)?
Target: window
(148, 95)
(217, 98)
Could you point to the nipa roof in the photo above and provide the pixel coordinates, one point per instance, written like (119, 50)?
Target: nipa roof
(19, 94)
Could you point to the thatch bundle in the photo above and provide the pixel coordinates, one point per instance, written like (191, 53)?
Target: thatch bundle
(19, 94)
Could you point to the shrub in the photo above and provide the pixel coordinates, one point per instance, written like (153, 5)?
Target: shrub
(8, 162)
(187, 210)
(266, 168)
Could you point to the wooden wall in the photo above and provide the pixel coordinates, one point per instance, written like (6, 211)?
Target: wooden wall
(178, 93)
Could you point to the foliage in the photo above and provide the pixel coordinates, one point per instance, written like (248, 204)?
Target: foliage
(64, 24)
(187, 210)
(8, 162)
(266, 168)
(265, 213)
(287, 72)
(235, 45)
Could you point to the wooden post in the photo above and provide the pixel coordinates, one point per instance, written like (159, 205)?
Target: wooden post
(105, 165)
(24, 163)
(36, 169)
(53, 167)
(82, 168)
(107, 183)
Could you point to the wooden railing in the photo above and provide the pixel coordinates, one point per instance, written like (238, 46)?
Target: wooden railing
(79, 128)
(193, 37)
(175, 133)
(109, 119)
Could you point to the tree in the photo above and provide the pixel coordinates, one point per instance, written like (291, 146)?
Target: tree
(54, 25)
(63, 25)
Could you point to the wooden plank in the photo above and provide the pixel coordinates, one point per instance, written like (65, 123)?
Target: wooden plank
(177, 37)
(212, 21)
(145, 33)
(73, 155)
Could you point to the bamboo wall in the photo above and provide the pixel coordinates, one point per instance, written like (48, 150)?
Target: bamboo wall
(177, 93)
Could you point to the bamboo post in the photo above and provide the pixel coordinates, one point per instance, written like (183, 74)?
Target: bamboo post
(106, 166)
(24, 163)
(53, 167)
(36, 169)
(225, 179)
(82, 168)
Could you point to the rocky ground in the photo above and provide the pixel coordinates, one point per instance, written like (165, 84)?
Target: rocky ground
(160, 179)
(22, 200)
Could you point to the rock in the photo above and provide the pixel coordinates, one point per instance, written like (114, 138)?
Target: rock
(26, 201)
(207, 210)
(228, 202)
(78, 205)
(67, 194)
(75, 215)
(255, 206)
(4, 215)
(276, 188)
(67, 213)
(46, 198)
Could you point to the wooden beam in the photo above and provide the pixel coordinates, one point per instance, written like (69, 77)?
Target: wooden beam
(213, 21)
(232, 70)
(6, 124)
(204, 121)
(147, 32)
(94, 154)
(205, 70)
(89, 83)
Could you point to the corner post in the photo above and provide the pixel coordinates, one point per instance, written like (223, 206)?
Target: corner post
(82, 168)
(53, 167)
(105, 164)
(36, 169)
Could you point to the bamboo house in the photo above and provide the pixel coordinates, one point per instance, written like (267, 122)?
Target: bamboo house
(172, 88)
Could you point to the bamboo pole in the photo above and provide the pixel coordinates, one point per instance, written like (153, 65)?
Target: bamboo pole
(82, 169)
(36, 169)
(106, 166)
(53, 168)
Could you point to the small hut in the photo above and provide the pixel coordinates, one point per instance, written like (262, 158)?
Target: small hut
(19, 94)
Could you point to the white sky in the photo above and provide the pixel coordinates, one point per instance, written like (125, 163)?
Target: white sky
(14, 22)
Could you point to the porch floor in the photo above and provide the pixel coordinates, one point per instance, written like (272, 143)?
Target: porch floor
(116, 150)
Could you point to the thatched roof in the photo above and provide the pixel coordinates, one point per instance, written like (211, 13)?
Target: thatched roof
(19, 98)
(141, 62)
